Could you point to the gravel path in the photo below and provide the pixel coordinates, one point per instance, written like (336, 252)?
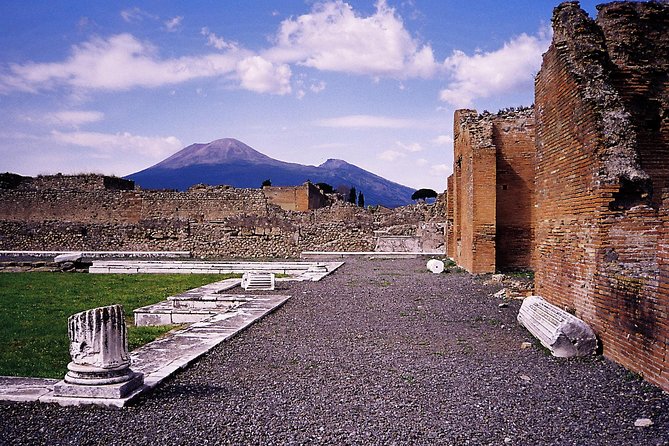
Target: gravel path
(381, 352)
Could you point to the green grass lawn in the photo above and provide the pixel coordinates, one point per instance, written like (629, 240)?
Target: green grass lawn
(34, 308)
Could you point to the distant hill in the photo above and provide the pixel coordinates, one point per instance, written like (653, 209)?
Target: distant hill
(231, 162)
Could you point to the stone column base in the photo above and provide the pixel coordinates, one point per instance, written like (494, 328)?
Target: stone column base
(89, 375)
(118, 390)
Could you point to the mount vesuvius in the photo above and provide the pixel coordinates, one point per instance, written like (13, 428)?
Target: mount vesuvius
(233, 163)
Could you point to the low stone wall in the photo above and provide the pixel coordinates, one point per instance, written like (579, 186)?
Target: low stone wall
(198, 222)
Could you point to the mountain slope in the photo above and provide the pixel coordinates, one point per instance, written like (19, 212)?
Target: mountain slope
(231, 162)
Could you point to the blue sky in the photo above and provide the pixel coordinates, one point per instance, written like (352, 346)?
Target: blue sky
(114, 87)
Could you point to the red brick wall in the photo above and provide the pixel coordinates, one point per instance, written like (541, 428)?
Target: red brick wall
(600, 219)
(490, 224)
(473, 194)
(513, 137)
(296, 198)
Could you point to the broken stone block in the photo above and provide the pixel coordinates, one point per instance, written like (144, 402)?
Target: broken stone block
(68, 257)
(560, 332)
(100, 366)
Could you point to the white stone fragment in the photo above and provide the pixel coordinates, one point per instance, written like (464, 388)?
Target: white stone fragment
(643, 422)
(560, 332)
(436, 266)
(68, 257)
(258, 281)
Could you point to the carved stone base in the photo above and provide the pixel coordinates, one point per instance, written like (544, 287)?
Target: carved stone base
(118, 390)
(88, 375)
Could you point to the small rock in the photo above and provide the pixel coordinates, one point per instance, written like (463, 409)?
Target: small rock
(497, 278)
(525, 378)
(507, 440)
(643, 422)
(501, 294)
(503, 305)
(525, 345)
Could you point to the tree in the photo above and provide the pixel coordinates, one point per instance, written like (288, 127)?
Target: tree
(422, 194)
(266, 183)
(361, 200)
(325, 187)
(352, 194)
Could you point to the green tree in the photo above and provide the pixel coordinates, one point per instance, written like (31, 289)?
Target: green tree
(422, 194)
(352, 194)
(361, 200)
(266, 183)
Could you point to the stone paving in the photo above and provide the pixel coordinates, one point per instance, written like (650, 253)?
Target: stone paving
(382, 352)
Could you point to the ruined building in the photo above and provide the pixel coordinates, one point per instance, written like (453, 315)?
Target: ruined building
(598, 195)
(490, 225)
(98, 213)
(601, 197)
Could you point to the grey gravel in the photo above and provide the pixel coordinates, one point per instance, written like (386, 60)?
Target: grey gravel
(381, 352)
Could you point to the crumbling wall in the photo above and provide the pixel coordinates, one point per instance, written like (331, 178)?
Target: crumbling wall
(474, 194)
(208, 221)
(600, 197)
(296, 198)
(490, 224)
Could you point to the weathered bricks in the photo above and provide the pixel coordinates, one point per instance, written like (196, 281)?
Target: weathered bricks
(602, 178)
(490, 225)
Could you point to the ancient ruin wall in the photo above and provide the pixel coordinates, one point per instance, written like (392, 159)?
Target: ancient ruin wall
(513, 137)
(208, 221)
(474, 195)
(199, 204)
(600, 195)
(296, 198)
(490, 224)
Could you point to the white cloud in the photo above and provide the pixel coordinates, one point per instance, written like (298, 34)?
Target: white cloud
(259, 75)
(443, 140)
(173, 24)
(366, 121)
(217, 42)
(334, 38)
(136, 15)
(317, 87)
(74, 117)
(421, 162)
(411, 147)
(122, 62)
(482, 75)
(440, 169)
(106, 145)
(391, 155)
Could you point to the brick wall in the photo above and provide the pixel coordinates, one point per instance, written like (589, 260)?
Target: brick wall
(513, 137)
(490, 224)
(600, 198)
(296, 198)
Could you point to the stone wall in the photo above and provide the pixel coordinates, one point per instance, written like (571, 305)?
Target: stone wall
(490, 224)
(208, 221)
(601, 201)
(84, 182)
(296, 198)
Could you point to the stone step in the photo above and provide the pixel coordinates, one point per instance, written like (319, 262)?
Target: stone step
(258, 281)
